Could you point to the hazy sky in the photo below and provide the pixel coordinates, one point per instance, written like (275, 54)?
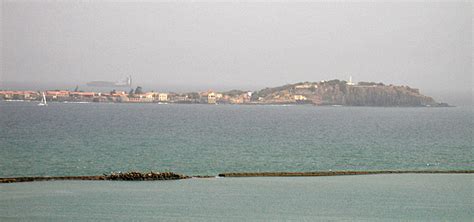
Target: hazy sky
(245, 45)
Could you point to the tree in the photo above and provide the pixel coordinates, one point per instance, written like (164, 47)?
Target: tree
(76, 89)
(139, 90)
(193, 95)
(131, 92)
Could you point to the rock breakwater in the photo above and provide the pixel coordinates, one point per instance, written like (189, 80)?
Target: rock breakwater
(337, 173)
(126, 176)
(137, 176)
(145, 176)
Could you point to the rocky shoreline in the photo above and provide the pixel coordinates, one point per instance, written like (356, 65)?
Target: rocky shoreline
(137, 176)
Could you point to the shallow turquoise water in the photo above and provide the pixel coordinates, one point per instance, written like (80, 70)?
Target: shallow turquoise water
(407, 197)
(91, 139)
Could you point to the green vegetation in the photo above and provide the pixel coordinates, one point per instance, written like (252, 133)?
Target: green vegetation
(234, 92)
(139, 90)
(370, 84)
(337, 92)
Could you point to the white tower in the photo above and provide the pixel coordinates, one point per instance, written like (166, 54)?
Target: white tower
(129, 80)
(350, 83)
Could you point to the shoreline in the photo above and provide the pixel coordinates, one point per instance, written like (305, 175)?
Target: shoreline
(236, 104)
(326, 92)
(135, 176)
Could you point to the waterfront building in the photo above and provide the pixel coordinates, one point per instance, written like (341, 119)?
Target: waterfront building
(57, 95)
(240, 98)
(117, 96)
(118, 93)
(20, 95)
(300, 98)
(151, 95)
(163, 97)
(177, 98)
(122, 99)
(211, 98)
(236, 100)
(142, 98)
(138, 99)
(249, 94)
(83, 94)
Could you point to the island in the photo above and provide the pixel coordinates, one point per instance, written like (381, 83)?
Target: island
(323, 93)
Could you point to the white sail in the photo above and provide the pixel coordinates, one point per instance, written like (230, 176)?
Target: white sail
(43, 101)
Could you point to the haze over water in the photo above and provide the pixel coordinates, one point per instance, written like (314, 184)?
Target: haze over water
(194, 45)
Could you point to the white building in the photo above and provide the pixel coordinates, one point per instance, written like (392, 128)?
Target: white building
(211, 98)
(163, 97)
(300, 98)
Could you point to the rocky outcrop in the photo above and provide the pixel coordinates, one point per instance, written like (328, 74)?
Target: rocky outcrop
(336, 92)
(385, 96)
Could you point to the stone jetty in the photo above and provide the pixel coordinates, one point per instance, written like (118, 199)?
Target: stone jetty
(137, 176)
(128, 176)
(338, 173)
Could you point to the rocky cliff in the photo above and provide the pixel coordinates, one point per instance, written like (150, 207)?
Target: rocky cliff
(336, 92)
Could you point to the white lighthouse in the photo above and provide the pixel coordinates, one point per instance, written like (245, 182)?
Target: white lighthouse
(350, 83)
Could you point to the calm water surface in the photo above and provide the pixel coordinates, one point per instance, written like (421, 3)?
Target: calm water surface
(92, 139)
(405, 197)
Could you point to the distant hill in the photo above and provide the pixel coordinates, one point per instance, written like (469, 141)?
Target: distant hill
(337, 92)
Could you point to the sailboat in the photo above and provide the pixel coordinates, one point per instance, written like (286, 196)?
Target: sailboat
(43, 101)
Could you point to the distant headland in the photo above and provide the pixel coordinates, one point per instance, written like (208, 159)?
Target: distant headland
(332, 92)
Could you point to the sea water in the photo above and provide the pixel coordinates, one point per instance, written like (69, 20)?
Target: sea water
(407, 197)
(96, 138)
(91, 139)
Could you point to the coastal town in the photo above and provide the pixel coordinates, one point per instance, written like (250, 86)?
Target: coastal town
(331, 92)
(133, 96)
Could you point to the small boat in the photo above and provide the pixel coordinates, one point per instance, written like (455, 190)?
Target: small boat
(43, 101)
